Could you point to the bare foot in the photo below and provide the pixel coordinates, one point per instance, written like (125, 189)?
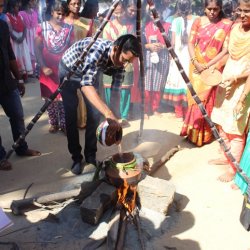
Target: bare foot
(146, 117)
(53, 129)
(157, 114)
(226, 177)
(218, 161)
(5, 165)
(234, 187)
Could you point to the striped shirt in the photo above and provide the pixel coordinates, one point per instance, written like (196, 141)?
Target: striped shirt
(97, 59)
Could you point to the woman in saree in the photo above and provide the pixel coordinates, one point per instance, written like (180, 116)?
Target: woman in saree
(83, 27)
(207, 45)
(233, 123)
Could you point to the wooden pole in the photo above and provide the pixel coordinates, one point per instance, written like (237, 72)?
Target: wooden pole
(155, 166)
(142, 75)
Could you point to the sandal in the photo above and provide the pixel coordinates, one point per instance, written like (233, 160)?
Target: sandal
(5, 165)
(64, 131)
(29, 152)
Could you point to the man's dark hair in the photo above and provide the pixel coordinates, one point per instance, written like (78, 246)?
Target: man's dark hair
(127, 43)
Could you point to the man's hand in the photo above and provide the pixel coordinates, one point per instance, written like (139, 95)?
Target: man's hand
(114, 128)
(21, 88)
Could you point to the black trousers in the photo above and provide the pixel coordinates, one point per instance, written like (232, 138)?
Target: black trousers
(70, 103)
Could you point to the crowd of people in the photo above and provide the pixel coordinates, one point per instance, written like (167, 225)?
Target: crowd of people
(108, 81)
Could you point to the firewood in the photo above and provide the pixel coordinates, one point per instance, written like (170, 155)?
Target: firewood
(155, 166)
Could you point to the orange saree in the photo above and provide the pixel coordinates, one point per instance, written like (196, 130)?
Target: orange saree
(208, 40)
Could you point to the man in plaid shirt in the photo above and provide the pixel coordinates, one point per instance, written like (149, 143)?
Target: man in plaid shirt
(107, 57)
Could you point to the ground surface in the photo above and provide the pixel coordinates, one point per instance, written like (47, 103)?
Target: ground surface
(209, 210)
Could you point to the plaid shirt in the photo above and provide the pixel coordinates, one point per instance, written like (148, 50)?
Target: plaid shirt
(97, 59)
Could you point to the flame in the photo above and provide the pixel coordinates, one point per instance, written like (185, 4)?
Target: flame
(127, 196)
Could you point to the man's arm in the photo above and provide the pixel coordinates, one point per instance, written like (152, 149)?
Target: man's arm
(89, 91)
(97, 102)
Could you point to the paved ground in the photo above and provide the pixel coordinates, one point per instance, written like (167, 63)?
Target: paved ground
(209, 210)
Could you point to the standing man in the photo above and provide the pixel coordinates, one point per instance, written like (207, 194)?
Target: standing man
(10, 91)
(108, 57)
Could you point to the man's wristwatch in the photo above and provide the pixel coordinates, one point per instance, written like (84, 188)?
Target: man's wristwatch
(20, 81)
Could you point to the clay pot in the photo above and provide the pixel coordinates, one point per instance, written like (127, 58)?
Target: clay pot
(123, 167)
(103, 134)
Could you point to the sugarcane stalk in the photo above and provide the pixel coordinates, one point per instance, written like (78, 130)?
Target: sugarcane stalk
(196, 98)
(122, 230)
(66, 78)
(142, 75)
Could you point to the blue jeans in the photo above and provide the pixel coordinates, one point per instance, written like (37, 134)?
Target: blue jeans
(12, 106)
(70, 103)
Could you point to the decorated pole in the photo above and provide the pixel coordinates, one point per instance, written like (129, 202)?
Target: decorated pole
(66, 78)
(142, 75)
(190, 87)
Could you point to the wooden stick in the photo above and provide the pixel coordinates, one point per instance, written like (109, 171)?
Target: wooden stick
(136, 219)
(20, 206)
(122, 230)
(163, 160)
(142, 75)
